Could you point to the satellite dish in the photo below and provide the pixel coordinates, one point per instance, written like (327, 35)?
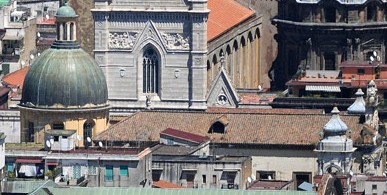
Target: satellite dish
(253, 177)
(100, 144)
(23, 63)
(38, 34)
(38, 54)
(375, 53)
(48, 144)
(32, 56)
(249, 179)
(51, 141)
(378, 58)
(372, 58)
(47, 17)
(88, 139)
(259, 87)
(78, 137)
(269, 177)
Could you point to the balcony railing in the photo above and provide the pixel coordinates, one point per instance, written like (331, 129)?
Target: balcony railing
(355, 2)
(230, 186)
(334, 26)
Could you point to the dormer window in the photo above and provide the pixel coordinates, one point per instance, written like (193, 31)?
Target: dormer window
(219, 125)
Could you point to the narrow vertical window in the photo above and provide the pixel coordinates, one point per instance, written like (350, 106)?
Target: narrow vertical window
(108, 173)
(31, 132)
(150, 71)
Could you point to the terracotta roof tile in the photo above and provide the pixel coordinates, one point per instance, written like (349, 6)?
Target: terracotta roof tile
(243, 128)
(184, 135)
(224, 15)
(16, 78)
(264, 110)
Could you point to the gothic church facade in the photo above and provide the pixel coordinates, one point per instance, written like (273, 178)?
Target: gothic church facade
(153, 54)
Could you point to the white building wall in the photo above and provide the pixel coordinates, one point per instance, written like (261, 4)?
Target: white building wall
(284, 166)
(10, 125)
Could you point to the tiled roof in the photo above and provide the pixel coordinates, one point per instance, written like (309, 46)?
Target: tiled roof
(165, 184)
(245, 128)
(172, 150)
(184, 135)
(224, 15)
(264, 110)
(16, 78)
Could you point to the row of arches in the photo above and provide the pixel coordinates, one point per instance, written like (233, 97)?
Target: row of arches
(240, 58)
(66, 31)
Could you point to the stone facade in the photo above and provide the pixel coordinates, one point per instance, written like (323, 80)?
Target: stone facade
(87, 123)
(147, 54)
(10, 125)
(239, 52)
(268, 45)
(319, 36)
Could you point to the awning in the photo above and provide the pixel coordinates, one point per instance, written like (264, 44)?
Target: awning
(12, 35)
(17, 13)
(228, 169)
(52, 163)
(28, 160)
(323, 88)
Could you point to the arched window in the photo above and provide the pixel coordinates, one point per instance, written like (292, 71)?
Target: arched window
(72, 31)
(65, 31)
(371, 13)
(150, 71)
(87, 132)
(330, 14)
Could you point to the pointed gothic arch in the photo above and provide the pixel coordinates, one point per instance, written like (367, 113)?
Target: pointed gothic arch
(151, 64)
(228, 60)
(235, 63)
(242, 63)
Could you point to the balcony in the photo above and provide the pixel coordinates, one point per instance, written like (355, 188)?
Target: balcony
(329, 26)
(345, 2)
(230, 186)
(9, 58)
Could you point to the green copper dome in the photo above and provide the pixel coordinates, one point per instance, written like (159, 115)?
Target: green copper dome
(64, 78)
(66, 11)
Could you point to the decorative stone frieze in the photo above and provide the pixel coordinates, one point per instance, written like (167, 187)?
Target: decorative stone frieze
(122, 40)
(175, 41)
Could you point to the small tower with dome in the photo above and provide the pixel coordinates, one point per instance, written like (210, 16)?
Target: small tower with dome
(64, 89)
(358, 107)
(334, 150)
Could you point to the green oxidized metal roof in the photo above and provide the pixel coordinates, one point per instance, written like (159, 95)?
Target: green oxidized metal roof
(155, 191)
(66, 11)
(64, 78)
